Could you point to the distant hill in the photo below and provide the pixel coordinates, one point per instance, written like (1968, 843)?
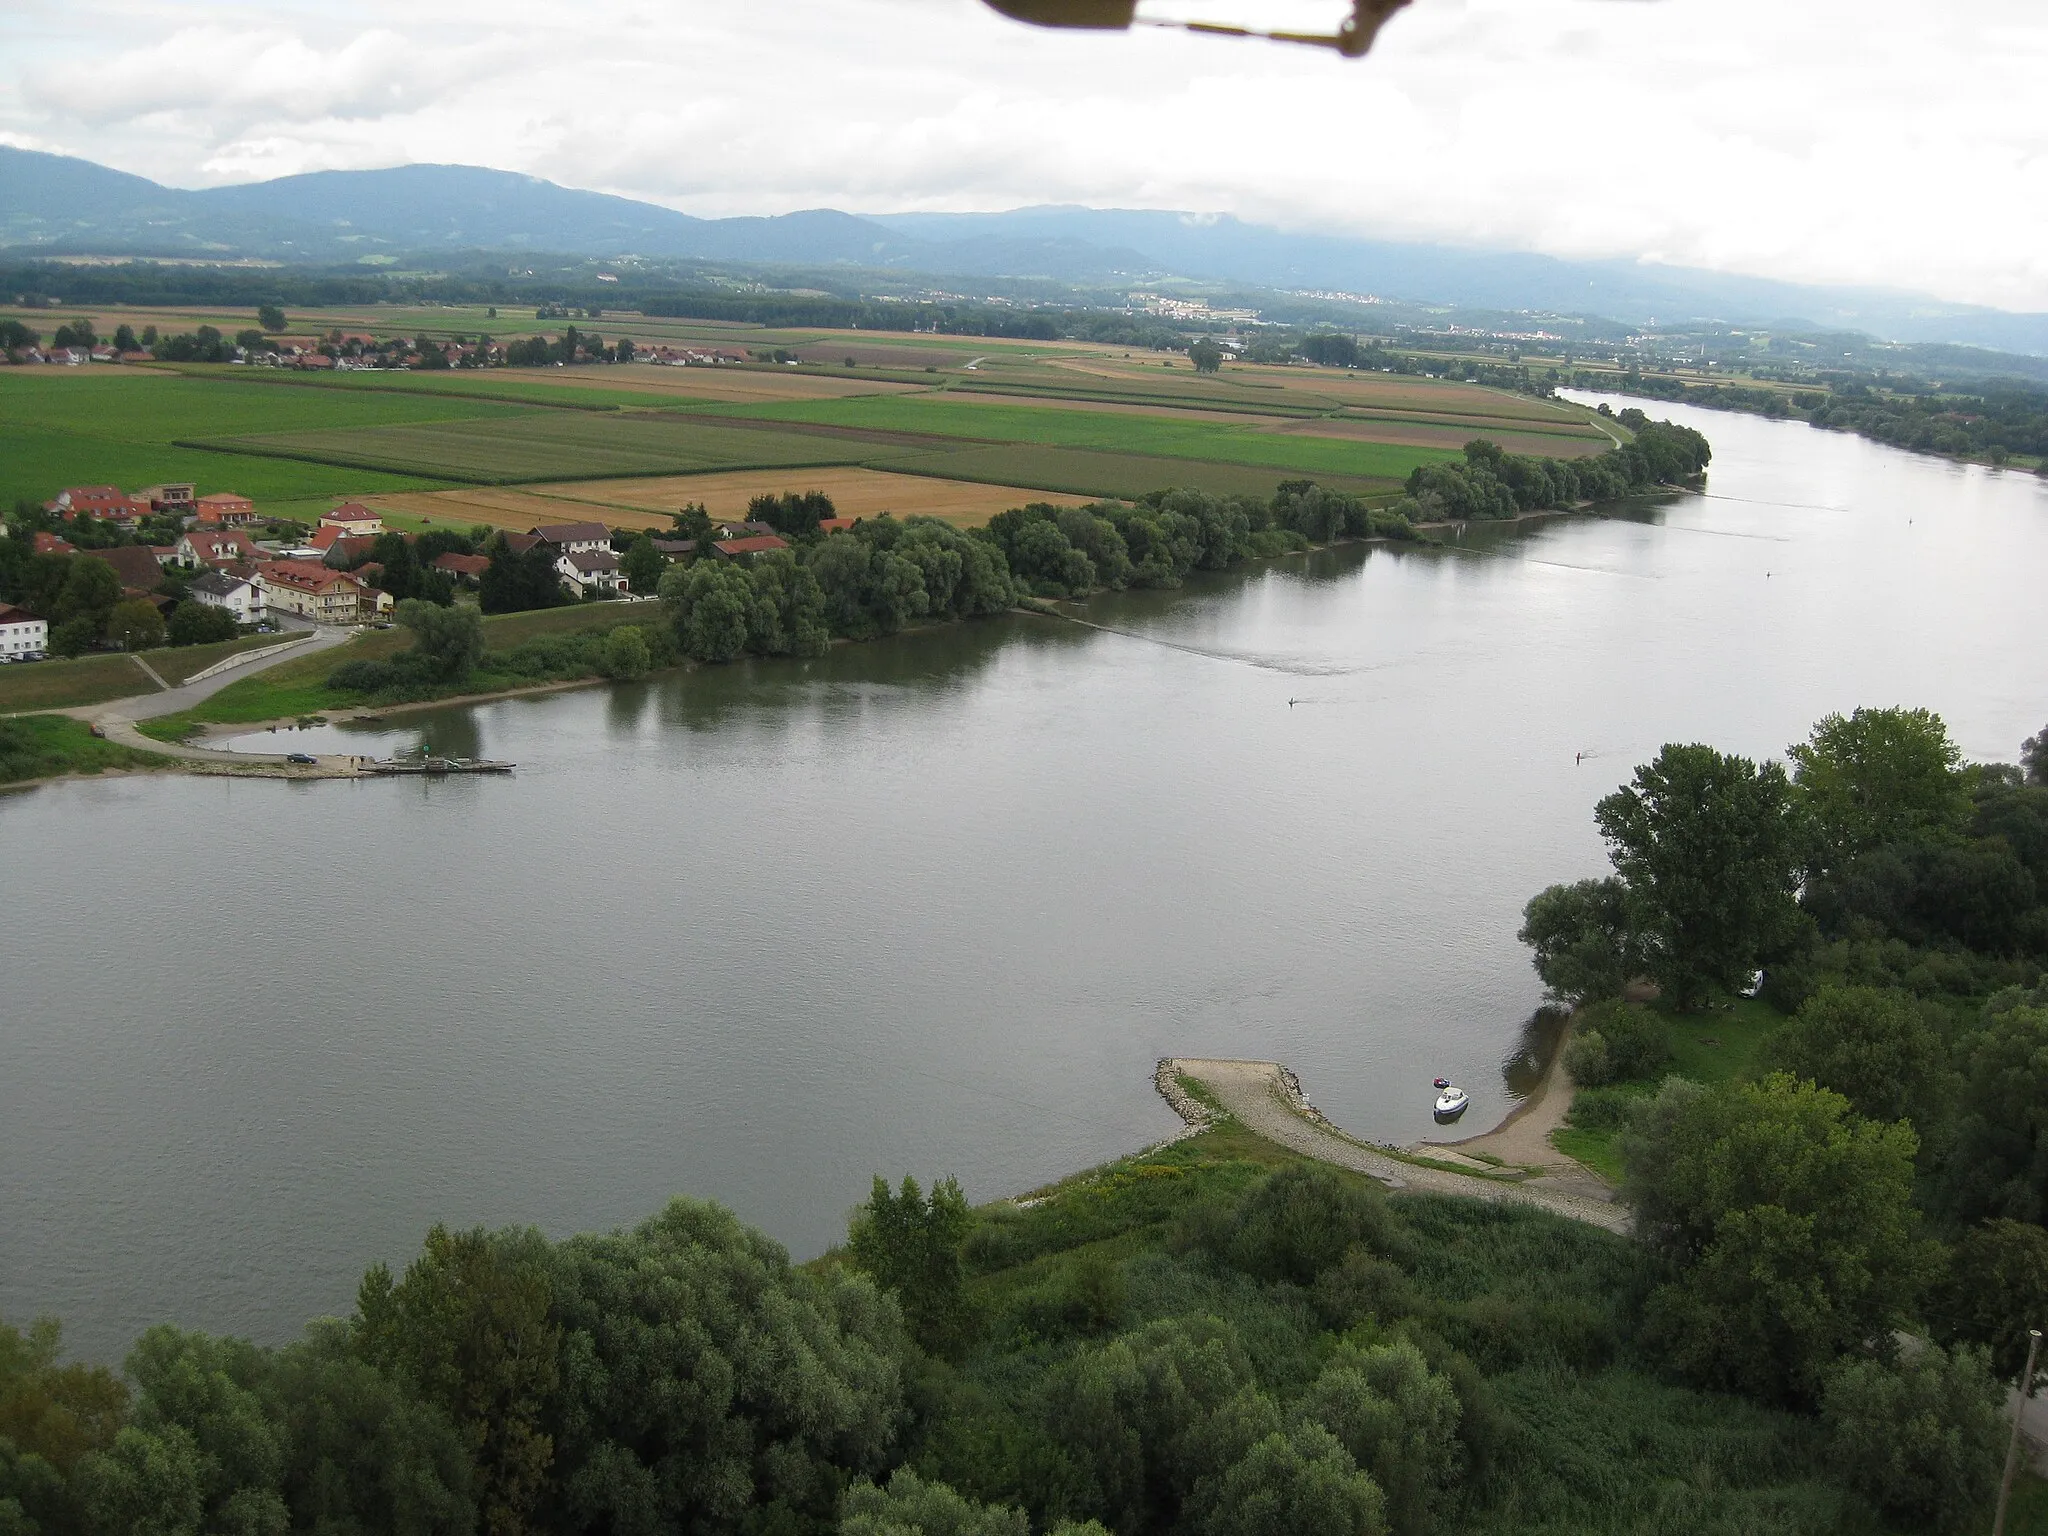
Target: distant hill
(53, 204)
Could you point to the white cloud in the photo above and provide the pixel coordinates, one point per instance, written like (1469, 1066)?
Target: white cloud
(1866, 141)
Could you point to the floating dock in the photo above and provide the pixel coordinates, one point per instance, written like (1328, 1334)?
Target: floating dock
(437, 767)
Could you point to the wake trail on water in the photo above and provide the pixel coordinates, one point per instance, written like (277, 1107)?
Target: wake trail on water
(1556, 565)
(1752, 501)
(1264, 663)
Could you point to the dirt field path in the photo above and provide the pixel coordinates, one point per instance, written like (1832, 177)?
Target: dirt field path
(1523, 1139)
(1263, 1096)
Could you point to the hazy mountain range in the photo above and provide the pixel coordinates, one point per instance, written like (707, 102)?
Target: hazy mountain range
(55, 205)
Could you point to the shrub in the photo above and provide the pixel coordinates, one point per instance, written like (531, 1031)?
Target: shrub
(626, 655)
(1304, 1220)
(1922, 1438)
(1588, 1061)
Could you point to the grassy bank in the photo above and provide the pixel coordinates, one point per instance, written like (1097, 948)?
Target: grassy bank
(296, 688)
(1721, 1044)
(98, 679)
(46, 746)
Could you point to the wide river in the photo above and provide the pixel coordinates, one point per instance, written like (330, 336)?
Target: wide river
(935, 904)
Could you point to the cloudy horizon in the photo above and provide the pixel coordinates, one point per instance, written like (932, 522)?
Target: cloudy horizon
(1862, 142)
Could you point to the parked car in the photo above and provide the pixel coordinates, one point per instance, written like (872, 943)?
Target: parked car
(303, 759)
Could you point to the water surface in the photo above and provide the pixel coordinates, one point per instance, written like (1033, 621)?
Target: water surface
(935, 904)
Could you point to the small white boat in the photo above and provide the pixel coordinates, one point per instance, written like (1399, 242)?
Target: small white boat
(1450, 1100)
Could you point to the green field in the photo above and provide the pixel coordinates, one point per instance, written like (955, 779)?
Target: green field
(551, 445)
(1157, 436)
(123, 426)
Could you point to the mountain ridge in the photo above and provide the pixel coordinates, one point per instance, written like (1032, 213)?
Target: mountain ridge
(56, 205)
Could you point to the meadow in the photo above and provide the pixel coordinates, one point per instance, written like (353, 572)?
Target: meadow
(83, 680)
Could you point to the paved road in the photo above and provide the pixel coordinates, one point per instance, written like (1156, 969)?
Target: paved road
(117, 720)
(1257, 1094)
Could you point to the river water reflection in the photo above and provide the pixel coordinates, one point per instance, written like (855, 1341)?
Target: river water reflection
(935, 904)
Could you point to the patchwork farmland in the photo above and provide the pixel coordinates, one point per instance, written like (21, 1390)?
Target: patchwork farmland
(951, 426)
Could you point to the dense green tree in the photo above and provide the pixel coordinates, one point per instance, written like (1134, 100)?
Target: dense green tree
(1206, 356)
(1399, 1422)
(1872, 1045)
(270, 317)
(74, 637)
(1875, 777)
(516, 581)
(708, 1385)
(1302, 1483)
(448, 642)
(200, 1427)
(643, 565)
(195, 623)
(910, 1506)
(1995, 1290)
(711, 605)
(90, 591)
(1617, 1042)
(1786, 1226)
(52, 1415)
(134, 624)
(1708, 848)
(626, 654)
(1302, 1221)
(1996, 1162)
(364, 1454)
(1585, 949)
(152, 1484)
(124, 338)
(910, 1242)
(468, 1327)
(1921, 1437)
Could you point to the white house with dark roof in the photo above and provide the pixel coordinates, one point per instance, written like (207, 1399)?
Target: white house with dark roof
(591, 571)
(239, 595)
(22, 634)
(577, 538)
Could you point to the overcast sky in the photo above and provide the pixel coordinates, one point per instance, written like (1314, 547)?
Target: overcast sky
(1892, 142)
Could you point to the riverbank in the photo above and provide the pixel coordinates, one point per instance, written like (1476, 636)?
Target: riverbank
(1268, 1100)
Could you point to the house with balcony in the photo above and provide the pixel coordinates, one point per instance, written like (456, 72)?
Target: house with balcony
(23, 636)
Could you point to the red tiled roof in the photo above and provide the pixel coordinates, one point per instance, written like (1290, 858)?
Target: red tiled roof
(759, 544)
(836, 524)
(462, 565)
(304, 575)
(50, 544)
(135, 564)
(9, 614)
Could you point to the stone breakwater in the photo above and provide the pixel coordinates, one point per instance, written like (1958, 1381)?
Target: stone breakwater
(1195, 1115)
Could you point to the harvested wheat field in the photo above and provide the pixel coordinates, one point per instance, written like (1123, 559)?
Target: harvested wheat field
(651, 503)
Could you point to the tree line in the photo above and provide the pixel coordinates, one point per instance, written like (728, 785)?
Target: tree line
(1491, 483)
(1991, 419)
(1887, 1176)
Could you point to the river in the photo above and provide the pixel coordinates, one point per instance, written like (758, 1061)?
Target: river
(934, 904)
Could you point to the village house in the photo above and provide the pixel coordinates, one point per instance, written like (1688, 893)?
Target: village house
(314, 592)
(587, 572)
(467, 569)
(50, 544)
(743, 530)
(836, 524)
(135, 564)
(239, 595)
(344, 551)
(101, 503)
(576, 538)
(352, 517)
(224, 509)
(758, 544)
(216, 547)
(175, 497)
(23, 636)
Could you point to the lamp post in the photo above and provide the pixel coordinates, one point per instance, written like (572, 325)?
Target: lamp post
(2012, 1446)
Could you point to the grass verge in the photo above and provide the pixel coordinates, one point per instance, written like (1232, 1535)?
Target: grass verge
(45, 746)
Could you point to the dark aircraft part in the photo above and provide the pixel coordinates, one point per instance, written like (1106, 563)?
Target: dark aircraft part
(1111, 14)
(1353, 39)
